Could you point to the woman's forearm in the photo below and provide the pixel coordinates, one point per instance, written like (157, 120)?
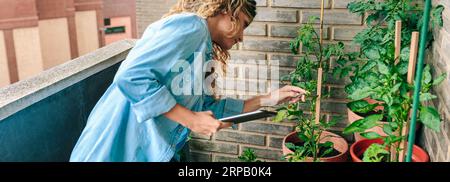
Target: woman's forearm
(198, 122)
(253, 104)
(180, 115)
(183, 115)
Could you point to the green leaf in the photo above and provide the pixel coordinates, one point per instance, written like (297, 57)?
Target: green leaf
(394, 110)
(248, 156)
(312, 19)
(282, 114)
(404, 56)
(439, 79)
(396, 87)
(372, 54)
(345, 72)
(361, 106)
(337, 72)
(427, 74)
(426, 97)
(393, 139)
(326, 152)
(290, 146)
(371, 78)
(327, 144)
(361, 93)
(369, 65)
(363, 124)
(302, 137)
(387, 99)
(382, 68)
(295, 45)
(370, 135)
(430, 118)
(356, 84)
(375, 153)
(341, 62)
(388, 129)
(436, 16)
(371, 18)
(393, 125)
(402, 68)
(285, 77)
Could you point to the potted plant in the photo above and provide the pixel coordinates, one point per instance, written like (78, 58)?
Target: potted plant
(376, 42)
(393, 89)
(375, 150)
(310, 141)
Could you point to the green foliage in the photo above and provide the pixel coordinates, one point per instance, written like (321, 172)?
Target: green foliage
(283, 114)
(314, 55)
(363, 124)
(436, 16)
(376, 153)
(300, 153)
(430, 118)
(377, 40)
(376, 74)
(370, 135)
(248, 155)
(361, 106)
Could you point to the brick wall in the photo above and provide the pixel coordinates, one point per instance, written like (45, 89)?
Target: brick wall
(438, 144)
(148, 11)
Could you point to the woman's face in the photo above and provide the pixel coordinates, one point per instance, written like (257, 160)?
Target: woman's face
(222, 34)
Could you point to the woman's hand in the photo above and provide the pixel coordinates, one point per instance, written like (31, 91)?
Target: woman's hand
(204, 123)
(287, 93)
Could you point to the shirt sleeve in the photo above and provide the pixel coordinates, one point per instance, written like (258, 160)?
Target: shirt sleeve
(224, 107)
(141, 78)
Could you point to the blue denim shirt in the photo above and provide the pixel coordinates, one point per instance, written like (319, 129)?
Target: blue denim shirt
(127, 123)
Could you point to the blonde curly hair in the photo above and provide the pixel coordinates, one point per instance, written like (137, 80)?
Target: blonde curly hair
(211, 8)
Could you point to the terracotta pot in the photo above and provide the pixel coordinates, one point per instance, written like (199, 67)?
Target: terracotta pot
(358, 148)
(339, 144)
(352, 117)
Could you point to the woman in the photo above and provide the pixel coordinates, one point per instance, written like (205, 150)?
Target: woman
(139, 118)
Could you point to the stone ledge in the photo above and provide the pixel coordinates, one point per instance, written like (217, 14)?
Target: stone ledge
(27, 92)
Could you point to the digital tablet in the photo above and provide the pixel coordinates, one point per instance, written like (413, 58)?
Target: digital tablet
(260, 114)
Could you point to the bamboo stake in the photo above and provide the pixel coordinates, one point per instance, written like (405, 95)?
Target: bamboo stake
(398, 47)
(398, 40)
(413, 57)
(320, 71)
(410, 79)
(319, 94)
